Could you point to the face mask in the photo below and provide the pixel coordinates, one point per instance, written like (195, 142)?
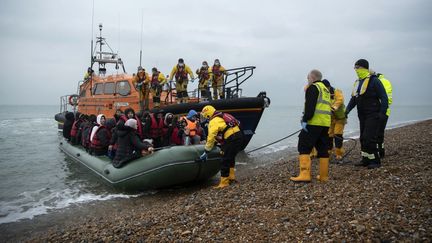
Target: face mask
(362, 73)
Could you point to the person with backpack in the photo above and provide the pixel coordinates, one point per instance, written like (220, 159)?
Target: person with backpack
(225, 128)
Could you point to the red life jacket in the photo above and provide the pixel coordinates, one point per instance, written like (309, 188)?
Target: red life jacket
(175, 138)
(96, 143)
(155, 79)
(181, 73)
(156, 128)
(204, 74)
(216, 71)
(74, 130)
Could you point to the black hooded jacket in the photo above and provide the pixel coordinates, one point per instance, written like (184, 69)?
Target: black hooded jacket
(67, 125)
(129, 147)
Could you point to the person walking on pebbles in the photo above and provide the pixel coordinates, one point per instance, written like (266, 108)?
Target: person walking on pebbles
(371, 100)
(315, 125)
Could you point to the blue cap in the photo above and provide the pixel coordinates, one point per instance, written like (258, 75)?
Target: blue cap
(191, 114)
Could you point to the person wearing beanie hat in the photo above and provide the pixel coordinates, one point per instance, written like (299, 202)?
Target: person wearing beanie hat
(129, 145)
(191, 128)
(371, 100)
(181, 71)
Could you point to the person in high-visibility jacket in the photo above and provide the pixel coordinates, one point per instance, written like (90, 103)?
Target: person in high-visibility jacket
(157, 81)
(338, 121)
(315, 125)
(204, 75)
(218, 73)
(181, 71)
(389, 91)
(232, 141)
(142, 81)
(372, 103)
(191, 128)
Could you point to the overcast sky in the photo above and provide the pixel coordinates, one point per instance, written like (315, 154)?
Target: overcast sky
(45, 45)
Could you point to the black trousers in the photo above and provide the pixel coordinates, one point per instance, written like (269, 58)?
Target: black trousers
(317, 137)
(369, 127)
(381, 129)
(232, 146)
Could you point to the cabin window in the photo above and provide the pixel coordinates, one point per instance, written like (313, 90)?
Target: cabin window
(98, 89)
(123, 88)
(109, 88)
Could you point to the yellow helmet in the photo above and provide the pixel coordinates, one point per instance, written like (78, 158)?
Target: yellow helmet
(208, 111)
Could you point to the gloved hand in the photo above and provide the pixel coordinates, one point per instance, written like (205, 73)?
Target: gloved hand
(303, 125)
(346, 115)
(204, 156)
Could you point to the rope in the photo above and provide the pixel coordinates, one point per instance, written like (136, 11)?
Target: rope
(277, 141)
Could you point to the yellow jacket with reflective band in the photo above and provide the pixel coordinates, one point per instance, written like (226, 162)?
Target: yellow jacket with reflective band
(187, 69)
(322, 114)
(217, 125)
(161, 78)
(388, 89)
(338, 104)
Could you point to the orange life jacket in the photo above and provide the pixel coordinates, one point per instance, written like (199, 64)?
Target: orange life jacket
(192, 125)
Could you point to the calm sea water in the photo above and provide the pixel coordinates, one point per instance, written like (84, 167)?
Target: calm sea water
(36, 177)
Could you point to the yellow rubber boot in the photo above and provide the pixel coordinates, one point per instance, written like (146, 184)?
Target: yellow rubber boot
(305, 169)
(339, 153)
(224, 182)
(231, 176)
(323, 169)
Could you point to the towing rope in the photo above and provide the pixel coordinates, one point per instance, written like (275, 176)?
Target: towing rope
(294, 133)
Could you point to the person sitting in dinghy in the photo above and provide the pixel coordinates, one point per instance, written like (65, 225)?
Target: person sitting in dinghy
(100, 137)
(129, 145)
(130, 114)
(191, 128)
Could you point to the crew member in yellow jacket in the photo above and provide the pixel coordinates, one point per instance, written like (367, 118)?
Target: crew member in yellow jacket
(204, 75)
(180, 72)
(157, 81)
(142, 81)
(315, 124)
(389, 91)
(218, 73)
(338, 120)
(224, 128)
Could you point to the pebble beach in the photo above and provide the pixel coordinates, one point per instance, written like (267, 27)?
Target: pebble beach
(392, 203)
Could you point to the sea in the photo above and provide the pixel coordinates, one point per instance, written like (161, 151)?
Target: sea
(37, 178)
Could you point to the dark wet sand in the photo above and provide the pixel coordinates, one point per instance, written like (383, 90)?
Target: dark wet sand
(392, 203)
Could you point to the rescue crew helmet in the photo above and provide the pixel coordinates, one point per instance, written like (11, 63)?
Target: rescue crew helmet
(208, 111)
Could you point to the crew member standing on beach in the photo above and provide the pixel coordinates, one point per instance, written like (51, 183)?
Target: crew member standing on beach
(372, 103)
(142, 80)
(180, 72)
(226, 127)
(338, 120)
(315, 125)
(389, 90)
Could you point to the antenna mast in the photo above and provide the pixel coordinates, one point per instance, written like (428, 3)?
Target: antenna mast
(91, 52)
(142, 23)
